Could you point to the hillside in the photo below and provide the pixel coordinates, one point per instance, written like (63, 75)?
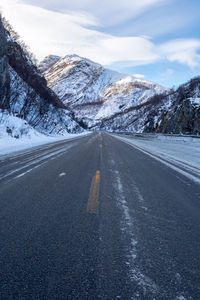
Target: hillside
(95, 94)
(107, 100)
(24, 92)
(182, 112)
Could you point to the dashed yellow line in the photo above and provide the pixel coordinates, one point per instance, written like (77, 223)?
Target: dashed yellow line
(93, 201)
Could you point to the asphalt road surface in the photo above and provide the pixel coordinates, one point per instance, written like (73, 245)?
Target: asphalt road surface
(95, 218)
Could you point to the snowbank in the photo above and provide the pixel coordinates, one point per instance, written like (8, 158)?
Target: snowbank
(179, 153)
(16, 135)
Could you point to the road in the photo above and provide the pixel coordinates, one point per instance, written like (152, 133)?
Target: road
(95, 218)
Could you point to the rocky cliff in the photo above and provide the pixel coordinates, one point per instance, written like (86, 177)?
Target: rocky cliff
(4, 73)
(25, 94)
(183, 112)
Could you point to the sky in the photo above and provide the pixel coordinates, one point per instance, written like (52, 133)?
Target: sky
(158, 40)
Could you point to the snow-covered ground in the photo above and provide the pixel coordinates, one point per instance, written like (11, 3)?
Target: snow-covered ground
(16, 135)
(179, 153)
(9, 145)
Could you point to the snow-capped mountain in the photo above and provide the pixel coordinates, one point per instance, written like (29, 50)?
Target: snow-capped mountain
(49, 61)
(104, 99)
(179, 111)
(94, 93)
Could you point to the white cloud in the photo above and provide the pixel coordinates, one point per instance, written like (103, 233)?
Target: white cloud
(138, 76)
(53, 32)
(132, 49)
(188, 57)
(107, 12)
(184, 51)
(159, 22)
(49, 32)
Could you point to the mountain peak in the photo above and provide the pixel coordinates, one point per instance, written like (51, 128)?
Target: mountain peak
(74, 58)
(48, 62)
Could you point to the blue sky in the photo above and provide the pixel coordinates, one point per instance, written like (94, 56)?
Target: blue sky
(157, 40)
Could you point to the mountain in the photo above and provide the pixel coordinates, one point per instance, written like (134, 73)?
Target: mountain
(25, 94)
(48, 61)
(178, 112)
(4, 74)
(172, 112)
(67, 94)
(107, 100)
(96, 94)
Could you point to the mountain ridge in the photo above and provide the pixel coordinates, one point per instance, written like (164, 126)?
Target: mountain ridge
(93, 92)
(102, 99)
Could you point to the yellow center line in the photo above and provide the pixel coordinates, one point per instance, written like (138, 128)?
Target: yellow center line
(93, 201)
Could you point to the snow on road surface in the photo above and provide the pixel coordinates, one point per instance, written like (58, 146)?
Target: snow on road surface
(180, 153)
(128, 228)
(9, 145)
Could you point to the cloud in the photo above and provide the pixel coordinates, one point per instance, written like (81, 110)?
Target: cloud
(134, 50)
(106, 12)
(184, 51)
(138, 76)
(158, 22)
(49, 32)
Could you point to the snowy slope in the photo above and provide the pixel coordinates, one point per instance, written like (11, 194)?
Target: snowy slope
(179, 111)
(48, 61)
(94, 93)
(126, 93)
(104, 99)
(43, 116)
(29, 106)
(14, 127)
(17, 135)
